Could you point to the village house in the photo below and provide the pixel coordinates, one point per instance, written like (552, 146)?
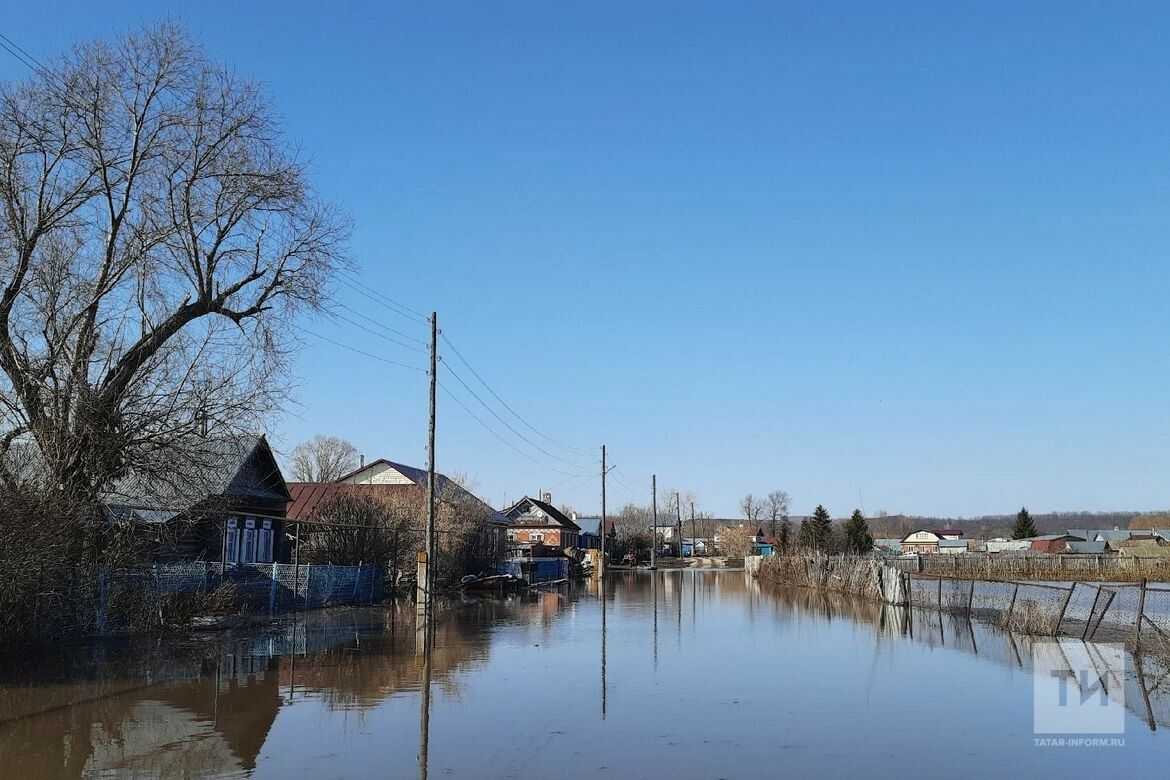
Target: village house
(590, 538)
(225, 502)
(1053, 544)
(532, 521)
(397, 482)
(926, 542)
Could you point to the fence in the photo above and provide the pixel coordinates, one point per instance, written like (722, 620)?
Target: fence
(101, 600)
(1036, 566)
(1135, 613)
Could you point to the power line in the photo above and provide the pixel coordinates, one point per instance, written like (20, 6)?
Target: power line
(25, 58)
(384, 300)
(371, 331)
(496, 395)
(382, 325)
(506, 423)
(360, 351)
(493, 432)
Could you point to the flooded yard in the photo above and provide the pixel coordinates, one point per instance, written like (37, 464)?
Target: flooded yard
(692, 674)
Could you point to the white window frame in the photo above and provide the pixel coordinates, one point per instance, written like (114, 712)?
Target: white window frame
(232, 542)
(264, 542)
(248, 546)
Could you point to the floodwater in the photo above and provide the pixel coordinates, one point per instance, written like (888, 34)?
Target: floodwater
(680, 674)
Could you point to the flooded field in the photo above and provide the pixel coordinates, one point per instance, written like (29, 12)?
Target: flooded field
(689, 674)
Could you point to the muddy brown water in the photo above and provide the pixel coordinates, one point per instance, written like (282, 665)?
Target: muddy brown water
(681, 674)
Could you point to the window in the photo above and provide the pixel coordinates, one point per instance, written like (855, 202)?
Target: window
(232, 542)
(264, 551)
(249, 545)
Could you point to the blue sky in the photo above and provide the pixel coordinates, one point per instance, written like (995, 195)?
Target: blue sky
(910, 255)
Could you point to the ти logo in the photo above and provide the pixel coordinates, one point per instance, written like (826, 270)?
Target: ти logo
(1078, 688)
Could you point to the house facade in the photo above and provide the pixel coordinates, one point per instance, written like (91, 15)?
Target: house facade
(926, 542)
(235, 499)
(398, 483)
(537, 521)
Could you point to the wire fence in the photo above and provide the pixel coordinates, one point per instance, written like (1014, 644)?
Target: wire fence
(100, 600)
(1042, 566)
(1137, 613)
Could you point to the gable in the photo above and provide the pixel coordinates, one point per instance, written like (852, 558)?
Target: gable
(380, 472)
(921, 537)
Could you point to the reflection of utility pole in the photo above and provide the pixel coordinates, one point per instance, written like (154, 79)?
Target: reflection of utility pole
(424, 717)
(654, 587)
(654, 528)
(601, 593)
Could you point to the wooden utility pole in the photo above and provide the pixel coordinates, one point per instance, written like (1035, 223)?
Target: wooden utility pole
(678, 520)
(430, 543)
(654, 528)
(694, 537)
(601, 528)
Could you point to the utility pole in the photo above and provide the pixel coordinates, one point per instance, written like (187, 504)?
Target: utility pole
(678, 520)
(430, 543)
(694, 538)
(601, 529)
(654, 528)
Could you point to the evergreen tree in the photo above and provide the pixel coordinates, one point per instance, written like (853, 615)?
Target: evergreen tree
(785, 534)
(857, 537)
(1024, 527)
(807, 537)
(821, 528)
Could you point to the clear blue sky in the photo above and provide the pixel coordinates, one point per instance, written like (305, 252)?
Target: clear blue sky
(913, 254)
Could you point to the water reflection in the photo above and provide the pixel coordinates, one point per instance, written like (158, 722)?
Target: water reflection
(511, 688)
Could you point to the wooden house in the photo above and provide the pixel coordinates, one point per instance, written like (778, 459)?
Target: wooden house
(926, 542)
(223, 499)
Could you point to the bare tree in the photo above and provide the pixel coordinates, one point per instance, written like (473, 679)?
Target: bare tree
(776, 508)
(157, 233)
(358, 527)
(736, 541)
(752, 509)
(322, 459)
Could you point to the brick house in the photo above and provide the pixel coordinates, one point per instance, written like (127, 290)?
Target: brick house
(532, 520)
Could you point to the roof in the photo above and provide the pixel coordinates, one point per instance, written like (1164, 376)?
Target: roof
(233, 466)
(589, 525)
(953, 543)
(418, 476)
(772, 540)
(946, 531)
(550, 510)
(1144, 552)
(1086, 548)
(1053, 538)
(307, 497)
(887, 542)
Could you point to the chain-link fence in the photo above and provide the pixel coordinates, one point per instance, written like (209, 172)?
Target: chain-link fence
(1137, 613)
(101, 600)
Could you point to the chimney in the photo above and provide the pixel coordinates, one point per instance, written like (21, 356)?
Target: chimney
(362, 461)
(546, 498)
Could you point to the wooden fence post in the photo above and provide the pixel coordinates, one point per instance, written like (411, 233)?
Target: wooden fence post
(940, 579)
(1012, 606)
(1063, 608)
(1092, 611)
(971, 598)
(1137, 623)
